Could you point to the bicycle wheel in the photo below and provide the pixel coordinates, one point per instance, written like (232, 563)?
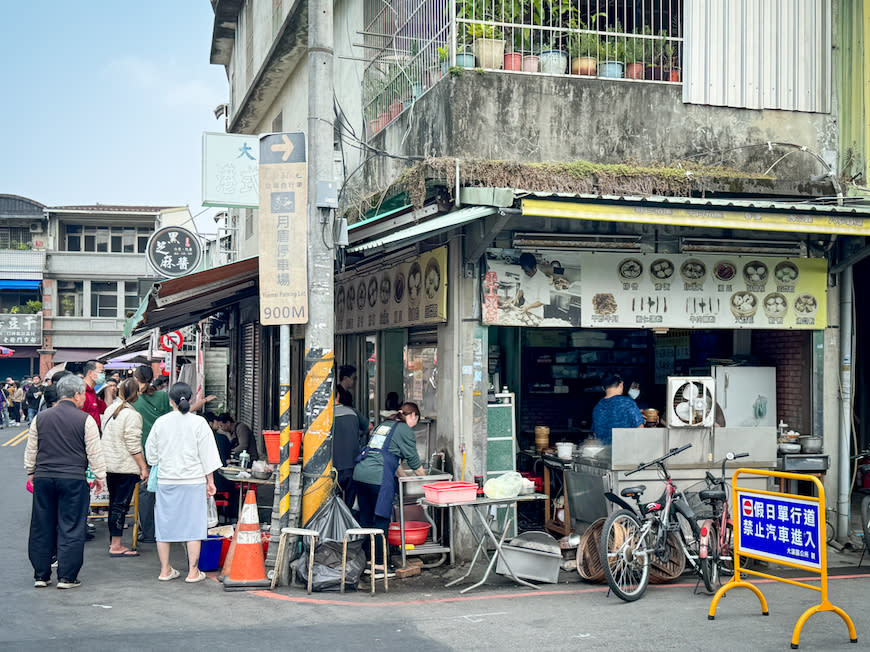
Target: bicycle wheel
(624, 555)
(865, 520)
(709, 565)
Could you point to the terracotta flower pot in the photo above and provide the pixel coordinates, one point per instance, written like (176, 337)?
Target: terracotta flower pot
(584, 66)
(634, 71)
(674, 75)
(531, 63)
(513, 61)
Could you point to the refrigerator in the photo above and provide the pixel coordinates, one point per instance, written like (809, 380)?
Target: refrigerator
(746, 395)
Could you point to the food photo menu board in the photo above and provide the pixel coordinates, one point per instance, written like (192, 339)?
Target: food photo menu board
(407, 294)
(703, 291)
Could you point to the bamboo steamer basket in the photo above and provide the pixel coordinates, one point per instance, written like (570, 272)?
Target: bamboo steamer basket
(588, 556)
(542, 438)
(663, 571)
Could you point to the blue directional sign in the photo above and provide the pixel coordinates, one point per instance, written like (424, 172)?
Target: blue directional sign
(779, 528)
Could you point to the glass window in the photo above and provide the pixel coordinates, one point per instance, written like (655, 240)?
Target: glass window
(69, 298)
(142, 243)
(421, 376)
(372, 377)
(104, 299)
(90, 243)
(116, 244)
(103, 240)
(131, 297)
(73, 243)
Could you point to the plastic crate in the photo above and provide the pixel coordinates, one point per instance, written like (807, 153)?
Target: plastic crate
(446, 492)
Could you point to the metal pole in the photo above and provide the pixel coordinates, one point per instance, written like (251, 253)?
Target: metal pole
(844, 477)
(320, 329)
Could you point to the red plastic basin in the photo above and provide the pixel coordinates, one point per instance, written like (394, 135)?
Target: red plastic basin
(416, 533)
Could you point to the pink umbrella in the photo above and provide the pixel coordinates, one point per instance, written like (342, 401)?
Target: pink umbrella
(6, 352)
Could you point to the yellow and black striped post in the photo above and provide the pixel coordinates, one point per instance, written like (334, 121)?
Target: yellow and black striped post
(284, 469)
(317, 442)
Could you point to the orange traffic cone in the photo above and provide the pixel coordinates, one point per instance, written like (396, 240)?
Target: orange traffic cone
(247, 567)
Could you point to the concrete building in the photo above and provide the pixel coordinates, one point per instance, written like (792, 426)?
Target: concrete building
(87, 268)
(468, 133)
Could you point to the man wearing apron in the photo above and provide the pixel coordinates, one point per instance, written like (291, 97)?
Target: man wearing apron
(375, 473)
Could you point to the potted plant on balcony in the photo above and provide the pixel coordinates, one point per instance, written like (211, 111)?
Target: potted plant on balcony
(613, 47)
(583, 47)
(674, 72)
(634, 51)
(67, 305)
(655, 70)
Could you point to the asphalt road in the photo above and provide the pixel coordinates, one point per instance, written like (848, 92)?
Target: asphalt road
(121, 606)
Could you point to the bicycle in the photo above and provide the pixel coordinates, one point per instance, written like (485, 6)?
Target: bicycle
(631, 537)
(717, 528)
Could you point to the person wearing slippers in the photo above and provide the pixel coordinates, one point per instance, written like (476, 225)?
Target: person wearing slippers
(182, 446)
(125, 461)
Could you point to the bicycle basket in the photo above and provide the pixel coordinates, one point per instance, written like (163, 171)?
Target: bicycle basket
(702, 510)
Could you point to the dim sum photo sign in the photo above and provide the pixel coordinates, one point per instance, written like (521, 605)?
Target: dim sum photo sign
(283, 227)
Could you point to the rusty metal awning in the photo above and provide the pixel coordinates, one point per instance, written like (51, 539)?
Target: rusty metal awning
(183, 301)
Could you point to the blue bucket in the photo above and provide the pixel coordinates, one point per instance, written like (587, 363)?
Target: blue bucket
(210, 553)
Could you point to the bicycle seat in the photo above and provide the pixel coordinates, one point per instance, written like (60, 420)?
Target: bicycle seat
(633, 492)
(708, 495)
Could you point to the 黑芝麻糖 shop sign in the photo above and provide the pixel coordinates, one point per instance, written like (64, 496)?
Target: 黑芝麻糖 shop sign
(410, 293)
(174, 251)
(21, 330)
(283, 227)
(779, 528)
(703, 291)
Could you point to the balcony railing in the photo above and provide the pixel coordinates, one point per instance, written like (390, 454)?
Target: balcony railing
(411, 44)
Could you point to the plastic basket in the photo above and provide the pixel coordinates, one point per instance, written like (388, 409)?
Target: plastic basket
(701, 509)
(442, 493)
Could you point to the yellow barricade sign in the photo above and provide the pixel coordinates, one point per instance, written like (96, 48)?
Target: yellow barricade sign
(781, 528)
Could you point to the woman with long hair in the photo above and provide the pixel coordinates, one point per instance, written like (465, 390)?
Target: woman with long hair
(151, 405)
(125, 462)
(374, 476)
(182, 446)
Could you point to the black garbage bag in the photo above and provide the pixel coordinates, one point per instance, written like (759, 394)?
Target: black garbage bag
(332, 520)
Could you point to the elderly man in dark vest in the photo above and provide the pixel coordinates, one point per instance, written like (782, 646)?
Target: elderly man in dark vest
(62, 443)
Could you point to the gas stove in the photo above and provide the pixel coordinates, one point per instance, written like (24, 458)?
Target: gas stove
(810, 462)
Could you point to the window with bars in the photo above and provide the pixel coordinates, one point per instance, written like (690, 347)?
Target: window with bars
(12, 237)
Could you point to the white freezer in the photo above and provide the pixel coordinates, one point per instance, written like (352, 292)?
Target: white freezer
(747, 395)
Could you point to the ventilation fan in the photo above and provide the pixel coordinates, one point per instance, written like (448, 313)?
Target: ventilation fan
(691, 402)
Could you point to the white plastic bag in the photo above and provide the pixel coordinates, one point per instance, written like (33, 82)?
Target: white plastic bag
(506, 485)
(212, 512)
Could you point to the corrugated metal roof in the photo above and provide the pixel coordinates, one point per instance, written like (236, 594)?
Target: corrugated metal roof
(424, 229)
(112, 208)
(758, 55)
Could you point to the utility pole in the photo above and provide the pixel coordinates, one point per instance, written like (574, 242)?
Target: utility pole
(320, 328)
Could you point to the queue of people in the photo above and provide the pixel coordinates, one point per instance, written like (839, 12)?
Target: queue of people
(73, 430)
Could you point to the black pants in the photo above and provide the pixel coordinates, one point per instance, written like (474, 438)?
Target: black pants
(121, 487)
(60, 510)
(348, 486)
(146, 511)
(367, 496)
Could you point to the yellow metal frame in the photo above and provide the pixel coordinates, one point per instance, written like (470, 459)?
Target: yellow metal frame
(736, 581)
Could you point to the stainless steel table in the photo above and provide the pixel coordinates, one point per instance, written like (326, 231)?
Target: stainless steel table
(481, 508)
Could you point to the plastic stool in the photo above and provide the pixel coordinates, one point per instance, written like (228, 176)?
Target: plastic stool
(283, 542)
(372, 533)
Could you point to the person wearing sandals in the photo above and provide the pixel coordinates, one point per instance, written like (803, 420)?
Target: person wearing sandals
(182, 446)
(125, 462)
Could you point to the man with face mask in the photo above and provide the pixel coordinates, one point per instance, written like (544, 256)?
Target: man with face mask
(94, 375)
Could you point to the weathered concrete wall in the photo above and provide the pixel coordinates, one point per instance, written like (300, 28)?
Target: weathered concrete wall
(542, 118)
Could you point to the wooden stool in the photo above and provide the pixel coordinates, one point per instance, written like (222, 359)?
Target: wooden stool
(283, 542)
(372, 533)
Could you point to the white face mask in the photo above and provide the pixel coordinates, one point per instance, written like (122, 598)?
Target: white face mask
(634, 393)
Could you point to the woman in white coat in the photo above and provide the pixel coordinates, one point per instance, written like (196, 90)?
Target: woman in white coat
(125, 461)
(183, 448)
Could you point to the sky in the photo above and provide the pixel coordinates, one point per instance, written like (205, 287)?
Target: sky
(105, 101)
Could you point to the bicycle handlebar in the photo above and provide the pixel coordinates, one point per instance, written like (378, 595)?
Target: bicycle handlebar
(670, 453)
